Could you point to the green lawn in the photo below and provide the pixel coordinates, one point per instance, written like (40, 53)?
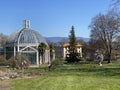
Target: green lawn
(72, 77)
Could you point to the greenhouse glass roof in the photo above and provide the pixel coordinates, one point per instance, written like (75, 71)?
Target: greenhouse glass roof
(26, 35)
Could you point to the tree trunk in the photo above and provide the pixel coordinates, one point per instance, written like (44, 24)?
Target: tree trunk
(109, 61)
(42, 58)
(39, 58)
(109, 58)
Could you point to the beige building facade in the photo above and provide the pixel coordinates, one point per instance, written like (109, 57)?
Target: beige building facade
(66, 49)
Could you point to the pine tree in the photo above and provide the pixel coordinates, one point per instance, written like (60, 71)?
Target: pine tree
(72, 41)
(73, 55)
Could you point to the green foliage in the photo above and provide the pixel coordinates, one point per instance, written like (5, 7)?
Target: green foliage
(73, 58)
(52, 51)
(41, 48)
(19, 62)
(73, 55)
(72, 37)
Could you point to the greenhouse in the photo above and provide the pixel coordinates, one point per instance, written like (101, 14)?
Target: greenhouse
(26, 42)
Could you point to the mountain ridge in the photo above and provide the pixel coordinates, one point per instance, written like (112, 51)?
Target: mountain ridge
(59, 39)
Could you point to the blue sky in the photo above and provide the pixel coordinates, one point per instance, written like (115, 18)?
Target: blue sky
(50, 17)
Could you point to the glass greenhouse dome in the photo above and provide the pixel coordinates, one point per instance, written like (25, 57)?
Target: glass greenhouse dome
(26, 41)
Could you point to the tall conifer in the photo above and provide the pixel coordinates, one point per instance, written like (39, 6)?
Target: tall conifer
(73, 55)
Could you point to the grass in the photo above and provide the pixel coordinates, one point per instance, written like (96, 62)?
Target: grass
(72, 77)
(69, 82)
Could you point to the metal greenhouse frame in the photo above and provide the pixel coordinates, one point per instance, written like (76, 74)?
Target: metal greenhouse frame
(26, 41)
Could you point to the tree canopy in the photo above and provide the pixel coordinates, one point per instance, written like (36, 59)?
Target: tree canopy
(106, 27)
(41, 48)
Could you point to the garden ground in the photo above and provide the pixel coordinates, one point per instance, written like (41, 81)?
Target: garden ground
(70, 77)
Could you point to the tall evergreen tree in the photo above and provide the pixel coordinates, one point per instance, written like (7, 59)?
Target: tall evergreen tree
(72, 41)
(73, 55)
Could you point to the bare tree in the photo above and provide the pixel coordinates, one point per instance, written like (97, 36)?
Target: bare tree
(106, 27)
(116, 2)
(116, 48)
(94, 46)
(3, 61)
(3, 39)
(85, 47)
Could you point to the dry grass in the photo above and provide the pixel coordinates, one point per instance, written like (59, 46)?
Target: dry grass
(4, 85)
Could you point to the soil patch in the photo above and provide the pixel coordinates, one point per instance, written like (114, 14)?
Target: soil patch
(4, 85)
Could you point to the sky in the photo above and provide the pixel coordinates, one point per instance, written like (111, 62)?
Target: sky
(51, 18)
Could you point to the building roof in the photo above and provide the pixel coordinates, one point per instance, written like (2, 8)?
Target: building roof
(26, 35)
(67, 44)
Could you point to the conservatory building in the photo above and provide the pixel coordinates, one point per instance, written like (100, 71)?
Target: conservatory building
(26, 42)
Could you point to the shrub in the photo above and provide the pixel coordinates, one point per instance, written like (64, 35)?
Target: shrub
(57, 62)
(19, 62)
(3, 61)
(73, 58)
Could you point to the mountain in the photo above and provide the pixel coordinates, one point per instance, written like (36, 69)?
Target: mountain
(58, 39)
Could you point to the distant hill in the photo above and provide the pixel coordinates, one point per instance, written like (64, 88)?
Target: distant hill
(58, 39)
